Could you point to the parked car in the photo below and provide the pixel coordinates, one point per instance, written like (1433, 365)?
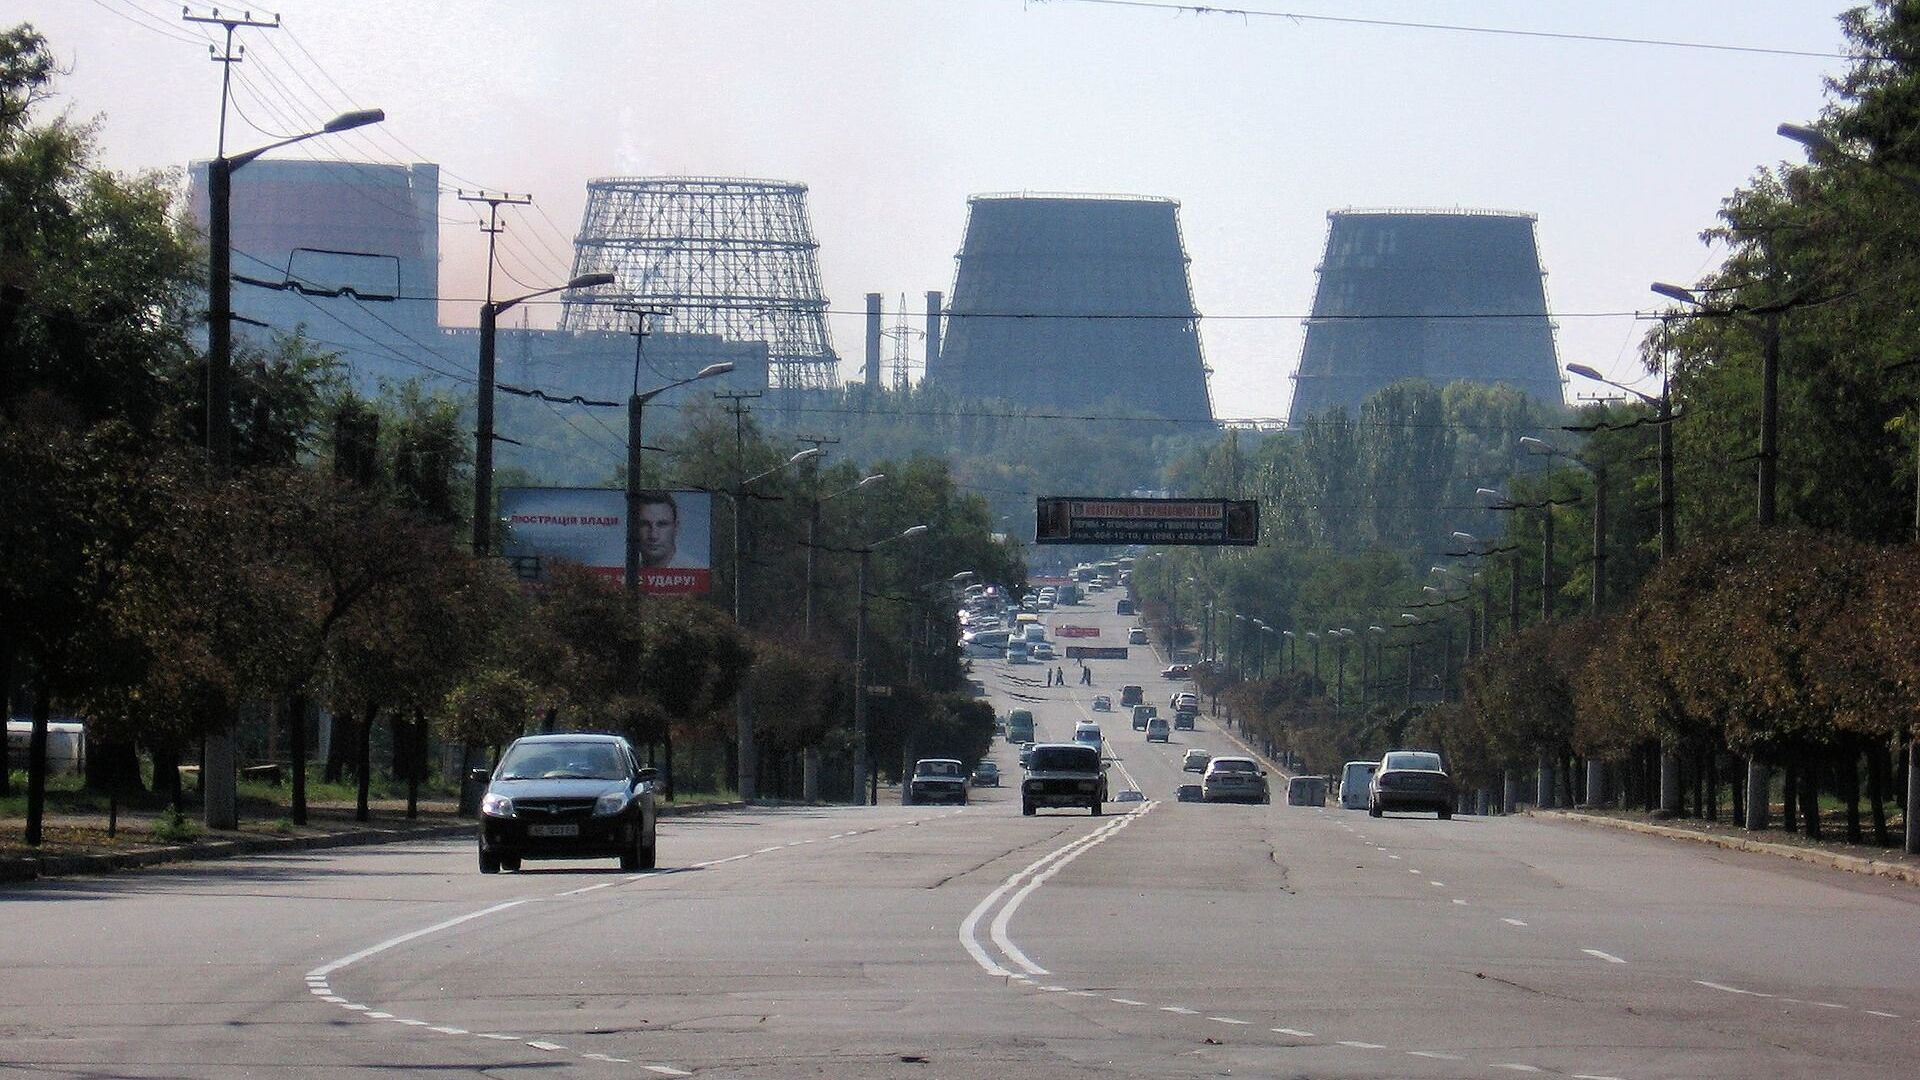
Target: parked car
(986, 774)
(1102, 703)
(1195, 761)
(1234, 779)
(571, 796)
(1307, 791)
(1356, 784)
(1411, 780)
(1157, 730)
(1131, 696)
(1142, 714)
(936, 780)
(1177, 671)
(1063, 774)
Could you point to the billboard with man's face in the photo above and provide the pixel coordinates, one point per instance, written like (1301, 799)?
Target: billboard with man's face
(588, 526)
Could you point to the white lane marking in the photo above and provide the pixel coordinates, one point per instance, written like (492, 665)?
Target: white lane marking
(1358, 1045)
(1513, 922)
(547, 1046)
(410, 1023)
(1608, 957)
(1459, 901)
(497, 1036)
(356, 1008)
(1393, 856)
(1228, 1020)
(450, 1030)
(609, 1057)
(1435, 1055)
(1877, 1012)
(1730, 989)
(1295, 1032)
(1054, 989)
(1515, 1066)
(1081, 993)
(1436, 884)
(1591, 1076)
(764, 850)
(666, 1070)
(1125, 1001)
(334, 999)
(354, 958)
(1411, 870)
(379, 1015)
(318, 991)
(1827, 1004)
(1060, 858)
(586, 889)
(1181, 1009)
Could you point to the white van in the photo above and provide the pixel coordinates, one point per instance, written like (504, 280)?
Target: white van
(1356, 782)
(1035, 632)
(66, 744)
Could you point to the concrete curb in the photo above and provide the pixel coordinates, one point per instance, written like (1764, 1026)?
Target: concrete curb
(1853, 864)
(31, 868)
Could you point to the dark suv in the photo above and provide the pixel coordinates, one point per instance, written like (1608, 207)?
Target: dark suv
(568, 796)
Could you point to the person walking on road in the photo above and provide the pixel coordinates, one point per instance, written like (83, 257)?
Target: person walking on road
(1086, 675)
(1049, 678)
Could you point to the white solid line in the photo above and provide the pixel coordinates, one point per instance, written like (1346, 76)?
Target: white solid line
(1827, 1004)
(1228, 1020)
(1436, 1055)
(1591, 1076)
(1877, 1012)
(1130, 1001)
(1295, 1032)
(764, 850)
(1608, 957)
(1060, 858)
(1182, 1010)
(336, 965)
(410, 1023)
(1513, 922)
(450, 1030)
(1357, 1045)
(539, 1045)
(586, 889)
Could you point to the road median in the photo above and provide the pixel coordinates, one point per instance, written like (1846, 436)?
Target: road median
(1894, 866)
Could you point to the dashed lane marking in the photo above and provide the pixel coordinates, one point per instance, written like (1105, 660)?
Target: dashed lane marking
(1358, 1045)
(1435, 1055)
(1181, 1009)
(1513, 922)
(586, 889)
(1228, 1020)
(1295, 1032)
(1515, 1067)
(1125, 1001)
(1608, 957)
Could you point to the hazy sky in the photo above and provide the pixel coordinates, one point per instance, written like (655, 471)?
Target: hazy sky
(894, 111)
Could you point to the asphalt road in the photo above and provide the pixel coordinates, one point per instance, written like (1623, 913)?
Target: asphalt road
(1178, 940)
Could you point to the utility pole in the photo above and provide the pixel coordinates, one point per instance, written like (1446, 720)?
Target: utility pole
(818, 442)
(489, 316)
(746, 774)
(636, 404)
(219, 788)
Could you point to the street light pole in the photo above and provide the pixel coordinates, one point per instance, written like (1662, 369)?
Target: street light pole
(483, 409)
(636, 404)
(861, 765)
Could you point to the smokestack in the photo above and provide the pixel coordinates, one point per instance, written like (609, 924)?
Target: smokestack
(933, 331)
(873, 341)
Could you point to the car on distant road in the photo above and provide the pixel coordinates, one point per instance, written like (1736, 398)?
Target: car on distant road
(1177, 671)
(1063, 774)
(571, 796)
(1195, 761)
(1142, 714)
(1356, 784)
(1234, 779)
(1026, 753)
(1184, 699)
(1137, 636)
(1183, 719)
(1307, 791)
(936, 780)
(1041, 650)
(1411, 780)
(1130, 795)
(1124, 607)
(1157, 730)
(1102, 703)
(1131, 696)
(986, 774)
(1187, 793)
(1088, 732)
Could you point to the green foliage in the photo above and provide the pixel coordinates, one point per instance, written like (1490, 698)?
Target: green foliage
(173, 827)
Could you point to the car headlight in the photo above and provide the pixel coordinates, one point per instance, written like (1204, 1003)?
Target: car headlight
(611, 803)
(496, 805)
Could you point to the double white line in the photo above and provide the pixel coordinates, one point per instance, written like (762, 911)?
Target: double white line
(1020, 886)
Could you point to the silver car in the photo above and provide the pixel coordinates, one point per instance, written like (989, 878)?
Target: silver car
(1234, 779)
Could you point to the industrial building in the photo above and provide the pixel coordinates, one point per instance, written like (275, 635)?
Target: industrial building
(1073, 301)
(1443, 295)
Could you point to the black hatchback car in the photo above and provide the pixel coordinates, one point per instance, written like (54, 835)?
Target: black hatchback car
(568, 796)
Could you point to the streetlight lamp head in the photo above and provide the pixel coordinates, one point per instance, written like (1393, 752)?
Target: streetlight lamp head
(1431, 589)
(809, 452)
(711, 370)
(962, 575)
(1409, 617)
(1538, 446)
(874, 478)
(1311, 636)
(1466, 538)
(1808, 137)
(1585, 372)
(1286, 633)
(1376, 629)
(358, 118)
(1675, 292)
(588, 281)
(917, 530)
(1489, 493)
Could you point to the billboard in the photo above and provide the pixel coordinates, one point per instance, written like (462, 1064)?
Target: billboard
(1096, 652)
(1154, 522)
(588, 526)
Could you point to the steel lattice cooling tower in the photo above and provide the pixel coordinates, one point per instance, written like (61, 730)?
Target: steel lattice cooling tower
(1071, 301)
(725, 256)
(1443, 295)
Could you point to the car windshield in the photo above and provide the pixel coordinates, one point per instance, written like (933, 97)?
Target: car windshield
(939, 768)
(1411, 760)
(1065, 758)
(562, 761)
(1233, 765)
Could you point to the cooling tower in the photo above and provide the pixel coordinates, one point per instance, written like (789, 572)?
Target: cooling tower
(1443, 295)
(736, 258)
(1069, 301)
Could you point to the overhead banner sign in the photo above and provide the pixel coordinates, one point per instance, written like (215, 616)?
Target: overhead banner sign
(1064, 630)
(1154, 522)
(588, 527)
(1096, 652)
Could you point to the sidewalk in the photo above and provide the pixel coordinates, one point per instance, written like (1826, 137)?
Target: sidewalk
(1832, 854)
(77, 843)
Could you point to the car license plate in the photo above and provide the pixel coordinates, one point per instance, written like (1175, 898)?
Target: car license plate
(553, 830)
